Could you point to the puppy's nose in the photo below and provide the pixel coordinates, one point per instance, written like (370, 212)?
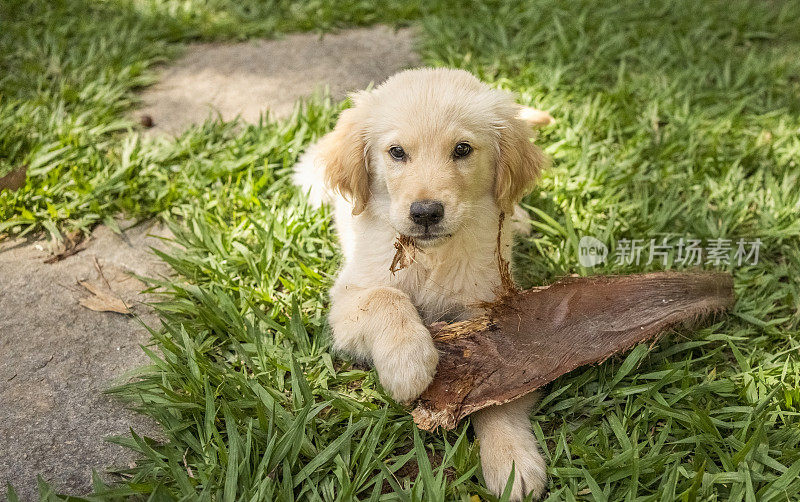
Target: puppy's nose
(426, 212)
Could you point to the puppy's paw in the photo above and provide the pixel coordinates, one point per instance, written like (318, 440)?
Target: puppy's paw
(530, 470)
(406, 363)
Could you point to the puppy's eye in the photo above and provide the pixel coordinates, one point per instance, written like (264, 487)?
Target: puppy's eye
(462, 150)
(397, 153)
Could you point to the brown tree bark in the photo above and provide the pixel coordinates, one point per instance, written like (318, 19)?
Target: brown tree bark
(530, 338)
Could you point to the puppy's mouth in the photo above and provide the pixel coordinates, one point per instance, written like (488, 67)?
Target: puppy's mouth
(428, 237)
(407, 245)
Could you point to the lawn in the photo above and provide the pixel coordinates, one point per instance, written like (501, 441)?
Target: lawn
(675, 119)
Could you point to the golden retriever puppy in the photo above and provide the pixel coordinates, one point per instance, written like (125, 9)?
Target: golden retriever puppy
(435, 155)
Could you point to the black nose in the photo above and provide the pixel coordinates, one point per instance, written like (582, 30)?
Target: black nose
(426, 212)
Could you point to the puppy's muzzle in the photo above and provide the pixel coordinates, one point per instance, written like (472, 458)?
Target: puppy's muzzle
(426, 213)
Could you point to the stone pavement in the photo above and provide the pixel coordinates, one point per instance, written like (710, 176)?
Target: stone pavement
(58, 356)
(249, 78)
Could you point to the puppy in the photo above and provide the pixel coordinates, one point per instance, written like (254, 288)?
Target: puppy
(434, 155)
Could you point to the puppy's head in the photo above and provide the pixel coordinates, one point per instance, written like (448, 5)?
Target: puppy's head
(430, 151)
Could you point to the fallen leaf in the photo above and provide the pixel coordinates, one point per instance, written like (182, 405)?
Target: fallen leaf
(102, 299)
(529, 338)
(73, 243)
(15, 179)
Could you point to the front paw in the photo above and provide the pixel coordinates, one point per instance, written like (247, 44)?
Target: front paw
(406, 363)
(530, 471)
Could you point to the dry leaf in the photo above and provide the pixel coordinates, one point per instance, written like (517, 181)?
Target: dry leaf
(15, 179)
(74, 243)
(102, 299)
(405, 254)
(529, 338)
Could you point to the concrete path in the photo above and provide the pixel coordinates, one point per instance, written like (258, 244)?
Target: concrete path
(253, 77)
(58, 356)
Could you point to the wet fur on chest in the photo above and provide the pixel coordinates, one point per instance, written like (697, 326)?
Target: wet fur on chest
(449, 283)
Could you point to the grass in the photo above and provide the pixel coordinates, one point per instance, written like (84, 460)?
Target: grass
(674, 119)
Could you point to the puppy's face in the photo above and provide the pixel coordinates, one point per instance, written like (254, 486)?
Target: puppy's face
(429, 180)
(429, 151)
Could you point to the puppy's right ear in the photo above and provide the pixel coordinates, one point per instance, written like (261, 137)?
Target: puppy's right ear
(343, 151)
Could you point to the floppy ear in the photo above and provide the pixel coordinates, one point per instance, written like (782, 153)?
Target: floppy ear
(518, 165)
(343, 152)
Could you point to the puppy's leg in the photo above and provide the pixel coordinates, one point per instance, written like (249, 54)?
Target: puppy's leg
(382, 325)
(506, 438)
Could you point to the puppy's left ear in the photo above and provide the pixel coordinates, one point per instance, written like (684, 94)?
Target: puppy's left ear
(344, 154)
(518, 165)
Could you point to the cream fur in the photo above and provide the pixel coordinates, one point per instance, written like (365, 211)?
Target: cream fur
(379, 316)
